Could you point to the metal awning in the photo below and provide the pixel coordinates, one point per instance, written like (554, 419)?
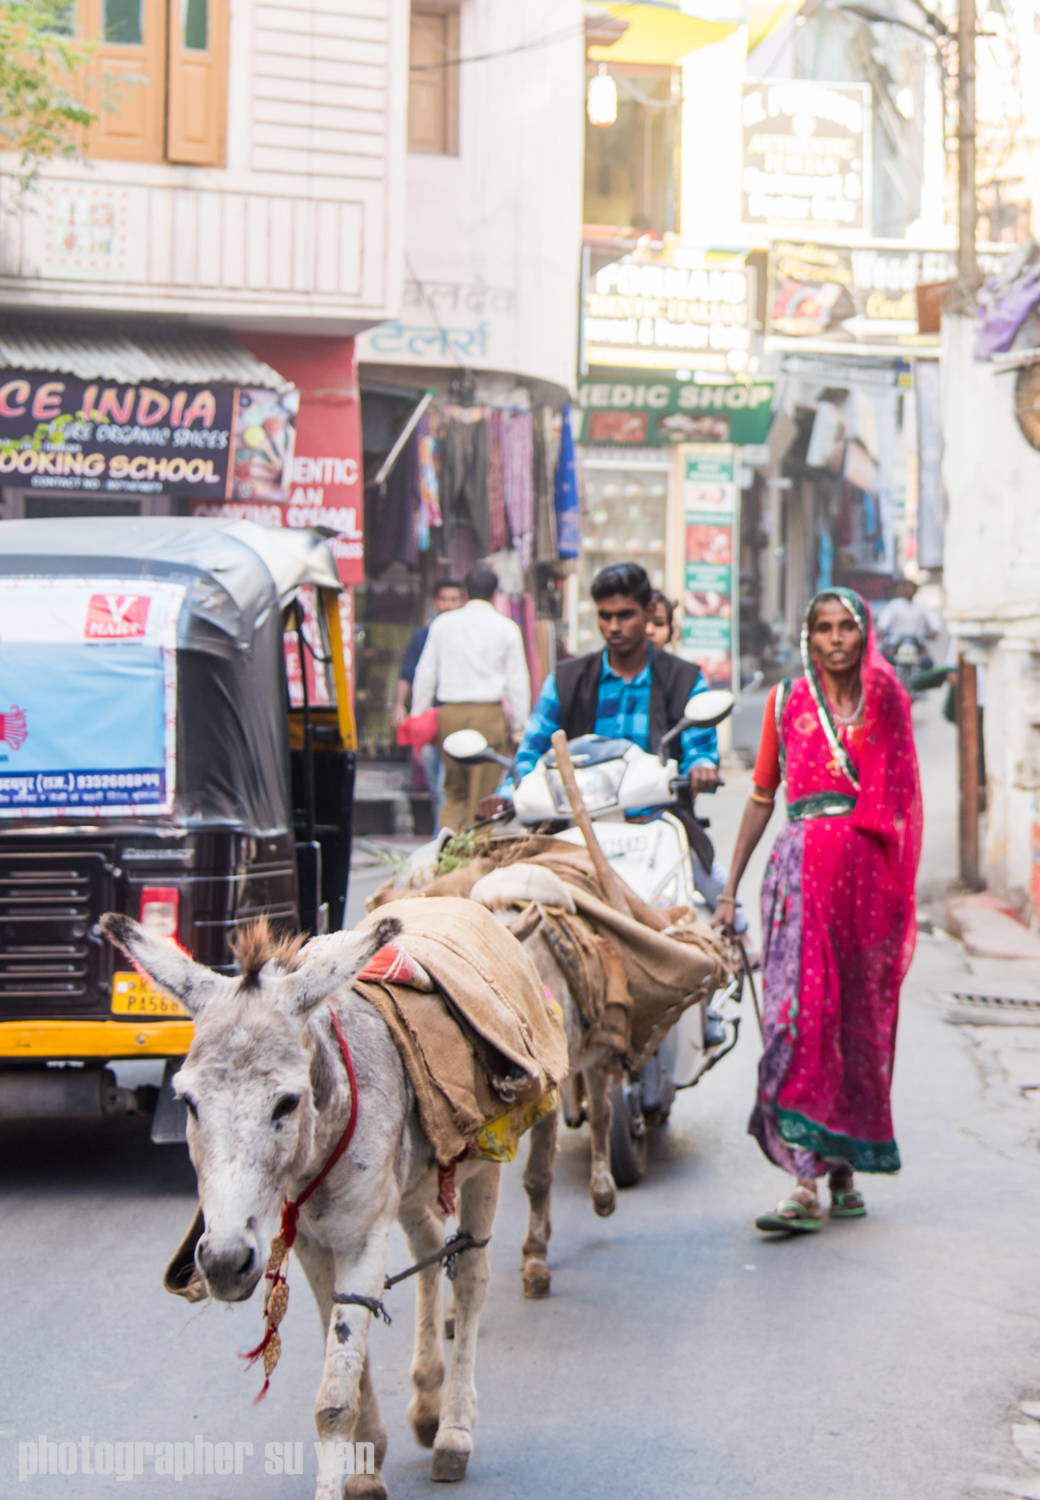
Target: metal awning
(177, 356)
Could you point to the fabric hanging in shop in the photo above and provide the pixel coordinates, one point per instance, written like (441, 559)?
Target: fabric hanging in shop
(392, 529)
(429, 483)
(530, 630)
(498, 524)
(545, 539)
(567, 501)
(517, 459)
(464, 478)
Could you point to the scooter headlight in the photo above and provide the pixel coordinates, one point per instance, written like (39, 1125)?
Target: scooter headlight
(598, 786)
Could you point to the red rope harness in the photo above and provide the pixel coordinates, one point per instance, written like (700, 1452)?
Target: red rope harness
(276, 1295)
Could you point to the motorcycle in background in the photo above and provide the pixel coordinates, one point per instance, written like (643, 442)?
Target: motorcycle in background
(908, 656)
(652, 856)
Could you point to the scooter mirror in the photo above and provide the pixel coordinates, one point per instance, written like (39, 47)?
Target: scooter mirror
(705, 710)
(467, 745)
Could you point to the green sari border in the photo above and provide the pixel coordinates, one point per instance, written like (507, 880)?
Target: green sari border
(862, 1156)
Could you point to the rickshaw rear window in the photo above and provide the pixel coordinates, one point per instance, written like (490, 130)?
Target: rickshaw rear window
(88, 684)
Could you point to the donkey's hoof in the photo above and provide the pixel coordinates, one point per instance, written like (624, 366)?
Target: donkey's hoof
(366, 1487)
(448, 1466)
(425, 1428)
(449, 1325)
(537, 1279)
(604, 1201)
(451, 1455)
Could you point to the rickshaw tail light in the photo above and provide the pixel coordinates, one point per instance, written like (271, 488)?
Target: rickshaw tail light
(160, 910)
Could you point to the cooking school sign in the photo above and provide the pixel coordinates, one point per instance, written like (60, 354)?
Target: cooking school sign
(58, 432)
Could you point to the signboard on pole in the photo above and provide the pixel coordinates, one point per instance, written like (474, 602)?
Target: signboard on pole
(711, 595)
(805, 155)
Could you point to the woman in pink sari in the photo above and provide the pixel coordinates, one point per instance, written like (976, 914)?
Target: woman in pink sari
(838, 916)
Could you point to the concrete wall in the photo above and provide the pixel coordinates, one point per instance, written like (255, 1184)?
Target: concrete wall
(303, 229)
(992, 578)
(494, 233)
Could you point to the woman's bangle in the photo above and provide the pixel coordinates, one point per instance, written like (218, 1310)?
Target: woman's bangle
(764, 801)
(731, 899)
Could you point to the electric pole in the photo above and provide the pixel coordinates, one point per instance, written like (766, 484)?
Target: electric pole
(967, 267)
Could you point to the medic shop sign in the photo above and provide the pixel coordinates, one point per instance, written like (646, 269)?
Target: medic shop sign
(641, 410)
(58, 432)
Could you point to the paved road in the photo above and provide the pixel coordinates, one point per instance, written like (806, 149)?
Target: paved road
(679, 1357)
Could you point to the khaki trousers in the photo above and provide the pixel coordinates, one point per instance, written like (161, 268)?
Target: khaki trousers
(464, 786)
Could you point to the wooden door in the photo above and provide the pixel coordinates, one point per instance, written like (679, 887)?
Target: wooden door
(197, 82)
(127, 78)
(433, 125)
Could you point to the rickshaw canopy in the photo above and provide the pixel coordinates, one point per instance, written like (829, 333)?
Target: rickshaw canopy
(231, 755)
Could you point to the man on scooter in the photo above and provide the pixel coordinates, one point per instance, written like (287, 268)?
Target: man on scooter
(629, 690)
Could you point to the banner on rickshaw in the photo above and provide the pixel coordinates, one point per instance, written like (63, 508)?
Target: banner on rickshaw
(88, 696)
(59, 432)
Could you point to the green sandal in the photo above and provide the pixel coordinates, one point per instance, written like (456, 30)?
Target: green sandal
(791, 1217)
(848, 1205)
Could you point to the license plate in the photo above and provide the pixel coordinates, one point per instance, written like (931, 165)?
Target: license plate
(134, 995)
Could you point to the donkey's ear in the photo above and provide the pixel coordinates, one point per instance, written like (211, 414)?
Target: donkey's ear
(190, 983)
(330, 963)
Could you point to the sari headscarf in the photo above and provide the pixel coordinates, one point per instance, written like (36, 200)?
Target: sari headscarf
(887, 785)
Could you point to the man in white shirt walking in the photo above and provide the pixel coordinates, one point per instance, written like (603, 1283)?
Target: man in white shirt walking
(473, 665)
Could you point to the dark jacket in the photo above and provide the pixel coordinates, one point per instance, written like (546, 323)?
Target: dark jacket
(672, 680)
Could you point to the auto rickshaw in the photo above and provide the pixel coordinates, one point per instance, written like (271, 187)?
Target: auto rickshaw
(176, 743)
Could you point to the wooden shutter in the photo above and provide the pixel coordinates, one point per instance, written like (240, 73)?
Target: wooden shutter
(133, 129)
(196, 130)
(433, 124)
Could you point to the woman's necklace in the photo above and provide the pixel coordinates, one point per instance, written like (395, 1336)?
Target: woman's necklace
(851, 719)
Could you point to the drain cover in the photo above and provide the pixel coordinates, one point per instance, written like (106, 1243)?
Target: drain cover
(990, 1010)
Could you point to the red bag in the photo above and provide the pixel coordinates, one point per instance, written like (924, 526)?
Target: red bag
(419, 729)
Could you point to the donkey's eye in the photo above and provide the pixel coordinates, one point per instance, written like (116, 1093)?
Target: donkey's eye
(285, 1106)
(191, 1106)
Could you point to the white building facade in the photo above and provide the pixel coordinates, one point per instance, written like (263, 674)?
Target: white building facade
(992, 580)
(255, 181)
(493, 199)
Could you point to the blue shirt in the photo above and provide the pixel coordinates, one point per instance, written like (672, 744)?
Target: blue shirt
(412, 653)
(622, 712)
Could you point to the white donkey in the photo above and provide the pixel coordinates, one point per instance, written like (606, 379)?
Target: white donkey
(268, 1097)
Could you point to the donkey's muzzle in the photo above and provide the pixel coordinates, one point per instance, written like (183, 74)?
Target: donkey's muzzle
(232, 1267)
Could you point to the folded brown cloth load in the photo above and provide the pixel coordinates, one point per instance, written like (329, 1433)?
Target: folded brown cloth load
(485, 1040)
(593, 969)
(670, 959)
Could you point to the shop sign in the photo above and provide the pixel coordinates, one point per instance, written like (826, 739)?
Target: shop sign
(58, 432)
(324, 486)
(641, 412)
(805, 155)
(836, 294)
(710, 602)
(687, 313)
(324, 490)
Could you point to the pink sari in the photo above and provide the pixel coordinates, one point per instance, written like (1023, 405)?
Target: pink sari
(838, 921)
